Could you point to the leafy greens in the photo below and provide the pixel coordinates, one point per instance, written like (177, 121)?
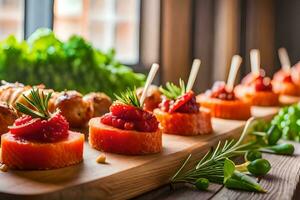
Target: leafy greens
(73, 64)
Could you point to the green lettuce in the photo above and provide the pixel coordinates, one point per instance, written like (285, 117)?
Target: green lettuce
(74, 64)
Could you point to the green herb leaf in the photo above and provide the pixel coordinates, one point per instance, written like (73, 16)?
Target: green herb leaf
(252, 155)
(229, 168)
(129, 97)
(274, 134)
(202, 183)
(242, 181)
(281, 149)
(173, 91)
(259, 167)
(288, 122)
(39, 103)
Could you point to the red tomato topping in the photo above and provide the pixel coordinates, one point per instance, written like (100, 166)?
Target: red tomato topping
(259, 83)
(180, 101)
(51, 130)
(189, 107)
(128, 117)
(26, 125)
(283, 76)
(165, 104)
(219, 91)
(263, 84)
(287, 78)
(183, 104)
(124, 111)
(250, 78)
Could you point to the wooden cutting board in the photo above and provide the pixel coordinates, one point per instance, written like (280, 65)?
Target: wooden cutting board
(122, 177)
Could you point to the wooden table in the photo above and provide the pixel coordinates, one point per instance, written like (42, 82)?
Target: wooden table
(282, 182)
(124, 177)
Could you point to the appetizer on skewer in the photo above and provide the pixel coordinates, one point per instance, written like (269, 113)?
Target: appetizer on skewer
(221, 99)
(224, 104)
(75, 107)
(40, 139)
(295, 73)
(180, 114)
(256, 87)
(153, 97)
(127, 128)
(284, 84)
(283, 81)
(258, 90)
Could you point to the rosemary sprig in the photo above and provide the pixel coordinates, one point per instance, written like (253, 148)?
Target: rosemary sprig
(39, 103)
(211, 165)
(173, 91)
(216, 166)
(129, 97)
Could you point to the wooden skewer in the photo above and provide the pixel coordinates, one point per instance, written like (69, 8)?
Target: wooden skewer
(255, 61)
(284, 59)
(193, 74)
(234, 67)
(149, 80)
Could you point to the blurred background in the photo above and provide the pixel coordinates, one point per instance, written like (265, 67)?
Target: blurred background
(170, 32)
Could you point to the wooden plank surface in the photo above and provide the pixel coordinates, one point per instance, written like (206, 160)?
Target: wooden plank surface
(282, 183)
(187, 193)
(123, 176)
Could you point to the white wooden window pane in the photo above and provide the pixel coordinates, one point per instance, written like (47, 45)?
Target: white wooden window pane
(11, 18)
(105, 23)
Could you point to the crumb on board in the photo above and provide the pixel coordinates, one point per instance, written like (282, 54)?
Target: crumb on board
(3, 167)
(101, 158)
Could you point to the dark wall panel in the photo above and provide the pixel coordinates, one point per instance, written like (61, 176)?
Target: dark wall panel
(288, 28)
(203, 33)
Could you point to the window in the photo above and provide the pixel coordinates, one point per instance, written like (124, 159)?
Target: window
(11, 18)
(105, 23)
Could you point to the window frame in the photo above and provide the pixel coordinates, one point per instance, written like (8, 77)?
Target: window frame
(18, 21)
(41, 14)
(37, 14)
(149, 35)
